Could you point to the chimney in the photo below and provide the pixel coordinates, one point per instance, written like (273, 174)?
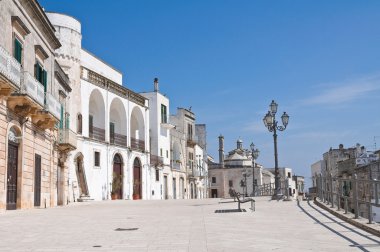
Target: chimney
(221, 150)
(155, 84)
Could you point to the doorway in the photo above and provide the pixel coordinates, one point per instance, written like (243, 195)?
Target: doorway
(81, 176)
(166, 187)
(174, 188)
(12, 176)
(214, 193)
(117, 178)
(37, 180)
(136, 179)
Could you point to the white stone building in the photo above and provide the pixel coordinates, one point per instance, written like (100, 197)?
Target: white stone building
(112, 124)
(160, 154)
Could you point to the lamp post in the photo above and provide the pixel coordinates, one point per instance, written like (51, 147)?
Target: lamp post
(255, 154)
(272, 125)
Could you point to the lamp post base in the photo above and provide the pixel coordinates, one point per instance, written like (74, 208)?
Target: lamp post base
(277, 196)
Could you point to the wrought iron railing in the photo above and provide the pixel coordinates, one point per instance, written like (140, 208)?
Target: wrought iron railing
(10, 67)
(137, 144)
(118, 139)
(97, 133)
(156, 160)
(358, 196)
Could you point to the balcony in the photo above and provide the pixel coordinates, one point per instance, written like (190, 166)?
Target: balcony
(118, 139)
(29, 99)
(67, 140)
(97, 133)
(191, 141)
(53, 106)
(10, 73)
(138, 145)
(175, 165)
(156, 160)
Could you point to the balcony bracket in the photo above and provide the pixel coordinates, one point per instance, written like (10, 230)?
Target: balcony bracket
(43, 120)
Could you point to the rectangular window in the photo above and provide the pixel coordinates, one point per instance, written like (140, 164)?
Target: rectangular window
(157, 175)
(160, 152)
(190, 132)
(164, 116)
(230, 183)
(91, 125)
(213, 180)
(167, 154)
(112, 132)
(62, 118)
(289, 174)
(97, 159)
(17, 50)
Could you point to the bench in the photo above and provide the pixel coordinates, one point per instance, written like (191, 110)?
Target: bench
(237, 198)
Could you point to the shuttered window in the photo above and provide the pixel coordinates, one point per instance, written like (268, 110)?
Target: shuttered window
(18, 50)
(91, 125)
(62, 118)
(112, 132)
(164, 115)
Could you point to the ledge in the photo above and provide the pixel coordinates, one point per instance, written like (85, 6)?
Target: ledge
(360, 223)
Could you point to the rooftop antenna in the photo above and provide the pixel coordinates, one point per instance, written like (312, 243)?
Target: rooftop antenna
(374, 140)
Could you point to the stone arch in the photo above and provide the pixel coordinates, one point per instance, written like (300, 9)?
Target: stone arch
(137, 129)
(97, 115)
(118, 122)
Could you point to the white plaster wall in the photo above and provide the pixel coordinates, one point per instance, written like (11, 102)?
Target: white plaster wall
(95, 64)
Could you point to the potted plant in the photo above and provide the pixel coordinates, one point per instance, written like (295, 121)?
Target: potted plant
(136, 189)
(117, 184)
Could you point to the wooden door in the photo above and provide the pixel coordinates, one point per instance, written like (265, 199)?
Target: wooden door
(117, 182)
(12, 176)
(174, 188)
(136, 179)
(166, 187)
(37, 180)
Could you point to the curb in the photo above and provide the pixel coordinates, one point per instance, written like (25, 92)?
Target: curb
(349, 220)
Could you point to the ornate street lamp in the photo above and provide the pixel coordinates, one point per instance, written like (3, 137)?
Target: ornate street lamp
(255, 154)
(272, 125)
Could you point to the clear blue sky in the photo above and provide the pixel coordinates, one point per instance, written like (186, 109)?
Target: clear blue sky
(228, 59)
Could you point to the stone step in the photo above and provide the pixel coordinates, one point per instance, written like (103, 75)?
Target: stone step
(84, 198)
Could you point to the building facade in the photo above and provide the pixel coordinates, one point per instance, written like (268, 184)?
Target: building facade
(34, 95)
(112, 124)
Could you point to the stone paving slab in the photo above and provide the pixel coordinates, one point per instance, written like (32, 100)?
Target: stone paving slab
(179, 225)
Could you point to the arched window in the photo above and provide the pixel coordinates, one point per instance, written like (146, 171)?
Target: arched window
(79, 124)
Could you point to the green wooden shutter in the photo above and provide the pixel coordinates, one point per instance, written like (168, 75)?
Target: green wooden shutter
(62, 118)
(44, 79)
(112, 132)
(17, 50)
(91, 125)
(67, 126)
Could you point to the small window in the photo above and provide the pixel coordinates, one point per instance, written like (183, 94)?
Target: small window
(167, 154)
(160, 152)
(17, 50)
(289, 175)
(164, 116)
(213, 180)
(157, 175)
(97, 159)
(230, 183)
(79, 124)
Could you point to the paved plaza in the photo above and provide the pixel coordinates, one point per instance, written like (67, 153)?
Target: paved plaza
(180, 225)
